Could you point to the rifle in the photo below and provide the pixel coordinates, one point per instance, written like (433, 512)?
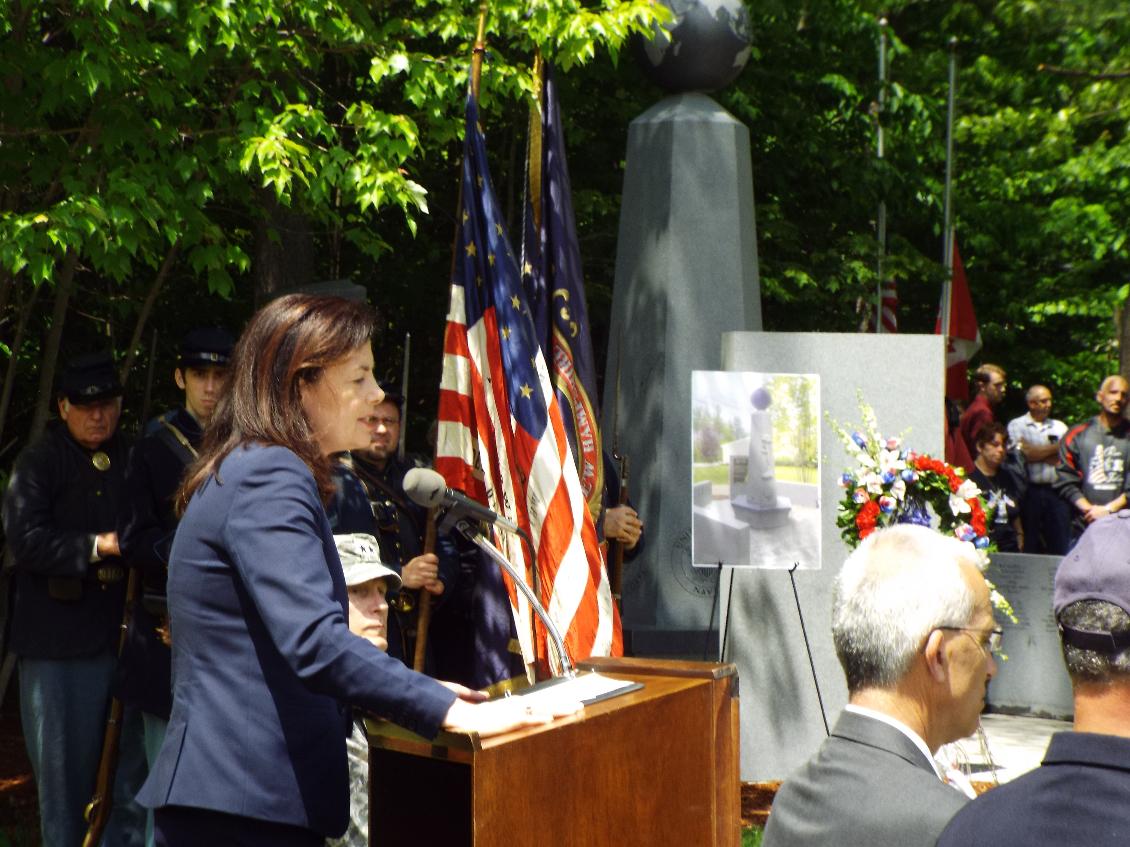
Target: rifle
(404, 397)
(97, 813)
(424, 606)
(616, 548)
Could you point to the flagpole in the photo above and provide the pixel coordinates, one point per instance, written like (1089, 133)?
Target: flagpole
(424, 604)
(477, 53)
(947, 204)
(882, 217)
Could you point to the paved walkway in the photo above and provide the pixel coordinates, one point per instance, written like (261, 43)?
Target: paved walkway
(1015, 745)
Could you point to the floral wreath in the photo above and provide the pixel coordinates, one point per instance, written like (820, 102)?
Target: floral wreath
(891, 484)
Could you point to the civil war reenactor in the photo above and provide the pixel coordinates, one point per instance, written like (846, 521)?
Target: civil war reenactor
(147, 522)
(59, 517)
(401, 526)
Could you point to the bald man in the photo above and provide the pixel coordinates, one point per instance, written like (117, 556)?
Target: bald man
(1093, 458)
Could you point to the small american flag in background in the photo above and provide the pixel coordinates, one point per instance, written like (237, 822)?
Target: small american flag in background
(889, 309)
(501, 436)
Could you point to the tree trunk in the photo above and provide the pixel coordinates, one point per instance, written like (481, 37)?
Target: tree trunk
(284, 250)
(1123, 318)
(17, 342)
(147, 309)
(63, 289)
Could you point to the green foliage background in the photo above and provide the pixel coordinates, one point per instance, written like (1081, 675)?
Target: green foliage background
(162, 142)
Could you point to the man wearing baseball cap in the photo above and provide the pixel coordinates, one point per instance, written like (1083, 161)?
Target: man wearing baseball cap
(367, 581)
(1078, 795)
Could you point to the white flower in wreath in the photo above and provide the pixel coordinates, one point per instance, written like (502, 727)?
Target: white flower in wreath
(873, 483)
(898, 488)
(968, 489)
(958, 505)
(890, 460)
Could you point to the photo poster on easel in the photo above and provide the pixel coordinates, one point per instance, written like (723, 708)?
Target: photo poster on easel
(755, 474)
(776, 627)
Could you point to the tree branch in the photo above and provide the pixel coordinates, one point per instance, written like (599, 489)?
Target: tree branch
(1072, 72)
(147, 308)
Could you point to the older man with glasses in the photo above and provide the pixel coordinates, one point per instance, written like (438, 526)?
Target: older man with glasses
(913, 628)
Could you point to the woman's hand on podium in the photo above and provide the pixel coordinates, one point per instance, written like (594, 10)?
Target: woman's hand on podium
(503, 715)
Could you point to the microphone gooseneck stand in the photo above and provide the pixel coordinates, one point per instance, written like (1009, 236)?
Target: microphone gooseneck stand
(467, 530)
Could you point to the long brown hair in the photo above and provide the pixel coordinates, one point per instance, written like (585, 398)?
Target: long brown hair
(288, 343)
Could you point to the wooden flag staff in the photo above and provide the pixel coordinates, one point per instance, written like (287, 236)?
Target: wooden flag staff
(424, 613)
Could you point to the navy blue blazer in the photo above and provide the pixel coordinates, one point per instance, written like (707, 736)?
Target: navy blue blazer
(263, 659)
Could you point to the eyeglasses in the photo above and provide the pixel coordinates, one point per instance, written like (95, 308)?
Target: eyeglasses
(993, 643)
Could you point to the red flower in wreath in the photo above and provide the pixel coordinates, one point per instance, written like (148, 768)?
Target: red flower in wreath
(927, 463)
(866, 517)
(976, 515)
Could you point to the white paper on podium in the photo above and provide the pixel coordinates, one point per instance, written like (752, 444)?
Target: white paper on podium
(585, 687)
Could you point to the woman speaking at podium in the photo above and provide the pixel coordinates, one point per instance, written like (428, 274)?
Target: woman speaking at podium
(264, 664)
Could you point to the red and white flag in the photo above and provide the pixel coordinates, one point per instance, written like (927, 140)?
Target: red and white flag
(888, 309)
(964, 335)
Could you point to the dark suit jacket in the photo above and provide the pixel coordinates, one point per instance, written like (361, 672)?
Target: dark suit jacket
(263, 660)
(867, 786)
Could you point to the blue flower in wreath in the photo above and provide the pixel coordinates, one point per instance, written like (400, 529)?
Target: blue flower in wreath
(847, 480)
(910, 475)
(915, 513)
(859, 440)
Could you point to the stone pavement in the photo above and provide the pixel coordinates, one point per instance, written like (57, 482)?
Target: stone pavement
(1015, 743)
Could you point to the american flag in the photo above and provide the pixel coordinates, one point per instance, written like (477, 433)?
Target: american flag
(501, 436)
(888, 308)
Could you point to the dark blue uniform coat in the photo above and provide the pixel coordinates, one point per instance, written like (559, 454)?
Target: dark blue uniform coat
(56, 502)
(146, 525)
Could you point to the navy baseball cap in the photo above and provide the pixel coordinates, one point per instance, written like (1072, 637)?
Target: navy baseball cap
(1097, 568)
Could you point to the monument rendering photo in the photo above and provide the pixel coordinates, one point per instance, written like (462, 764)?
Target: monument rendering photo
(756, 469)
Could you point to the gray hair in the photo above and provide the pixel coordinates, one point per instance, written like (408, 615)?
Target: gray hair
(899, 585)
(1091, 665)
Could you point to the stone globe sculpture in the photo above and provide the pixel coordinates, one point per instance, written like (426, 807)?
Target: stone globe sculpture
(703, 49)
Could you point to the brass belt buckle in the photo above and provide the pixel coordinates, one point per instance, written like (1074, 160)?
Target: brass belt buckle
(108, 574)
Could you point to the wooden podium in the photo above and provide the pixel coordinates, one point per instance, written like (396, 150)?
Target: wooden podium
(658, 765)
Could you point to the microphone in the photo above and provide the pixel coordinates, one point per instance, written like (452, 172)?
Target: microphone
(427, 488)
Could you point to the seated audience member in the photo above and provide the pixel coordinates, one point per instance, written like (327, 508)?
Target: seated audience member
(1035, 436)
(1078, 794)
(367, 582)
(999, 488)
(914, 631)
